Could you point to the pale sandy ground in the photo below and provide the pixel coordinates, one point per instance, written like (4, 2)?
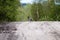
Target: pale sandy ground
(36, 30)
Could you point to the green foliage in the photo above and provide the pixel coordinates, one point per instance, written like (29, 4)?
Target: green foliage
(57, 12)
(8, 10)
(47, 11)
(33, 11)
(11, 10)
(36, 11)
(51, 10)
(27, 11)
(24, 12)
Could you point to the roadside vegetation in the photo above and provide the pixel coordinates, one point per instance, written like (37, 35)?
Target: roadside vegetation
(12, 10)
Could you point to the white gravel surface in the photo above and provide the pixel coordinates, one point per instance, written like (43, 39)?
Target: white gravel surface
(37, 30)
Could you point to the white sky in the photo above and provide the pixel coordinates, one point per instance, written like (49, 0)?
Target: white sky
(26, 1)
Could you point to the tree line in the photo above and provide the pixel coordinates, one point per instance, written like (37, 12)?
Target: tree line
(46, 11)
(11, 10)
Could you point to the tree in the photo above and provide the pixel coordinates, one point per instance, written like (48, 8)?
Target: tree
(36, 11)
(8, 10)
(47, 11)
(57, 12)
(45, 14)
(52, 9)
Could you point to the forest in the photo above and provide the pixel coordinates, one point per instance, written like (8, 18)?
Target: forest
(14, 10)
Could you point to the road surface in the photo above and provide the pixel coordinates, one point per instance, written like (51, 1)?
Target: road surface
(36, 30)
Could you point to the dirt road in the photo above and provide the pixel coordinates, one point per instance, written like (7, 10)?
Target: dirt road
(36, 30)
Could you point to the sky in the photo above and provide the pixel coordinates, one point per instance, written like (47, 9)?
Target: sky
(26, 1)
(30, 1)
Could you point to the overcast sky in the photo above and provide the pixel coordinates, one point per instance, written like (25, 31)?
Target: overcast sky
(26, 1)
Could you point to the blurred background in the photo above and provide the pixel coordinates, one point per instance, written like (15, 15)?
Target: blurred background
(29, 10)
